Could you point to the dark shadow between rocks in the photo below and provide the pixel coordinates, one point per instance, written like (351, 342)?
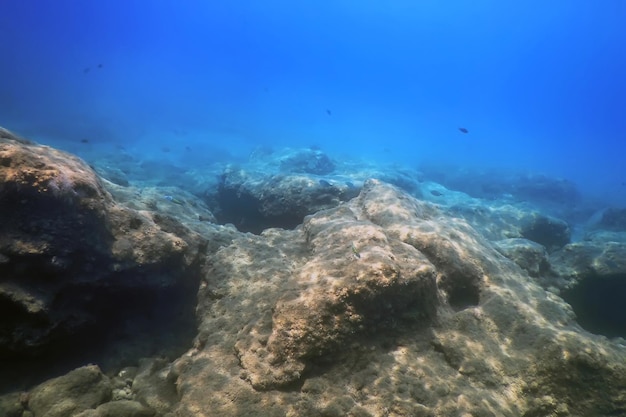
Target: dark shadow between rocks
(463, 291)
(128, 324)
(461, 297)
(599, 304)
(388, 335)
(244, 211)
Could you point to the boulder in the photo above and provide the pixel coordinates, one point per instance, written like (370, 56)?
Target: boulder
(380, 305)
(254, 200)
(385, 305)
(76, 266)
(548, 231)
(600, 254)
(529, 255)
(497, 221)
(13, 404)
(591, 276)
(154, 385)
(82, 389)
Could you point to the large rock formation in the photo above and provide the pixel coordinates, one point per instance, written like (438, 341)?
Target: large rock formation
(591, 276)
(255, 200)
(384, 306)
(497, 221)
(76, 267)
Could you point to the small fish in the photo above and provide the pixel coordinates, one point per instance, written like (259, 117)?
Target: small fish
(328, 112)
(436, 193)
(174, 200)
(355, 252)
(99, 65)
(463, 130)
(84, 141)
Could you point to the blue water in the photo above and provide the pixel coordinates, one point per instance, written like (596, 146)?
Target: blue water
(540, 86)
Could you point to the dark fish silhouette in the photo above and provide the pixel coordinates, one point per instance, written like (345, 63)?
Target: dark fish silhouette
(86, 70)
(463, 130)
(436, 193)
(99, 65)
(328, 112)
(84, 141)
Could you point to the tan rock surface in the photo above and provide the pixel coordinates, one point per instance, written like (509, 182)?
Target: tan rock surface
(74, 262)
(83, 388)
(382, 306)
(385, 307)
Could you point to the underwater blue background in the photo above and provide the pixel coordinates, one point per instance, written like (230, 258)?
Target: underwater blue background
(540, 86)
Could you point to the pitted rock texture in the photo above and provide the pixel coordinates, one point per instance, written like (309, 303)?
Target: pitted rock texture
(386, 306)
(356, 281)
(82, 389)
(381, 306)
(74, 263)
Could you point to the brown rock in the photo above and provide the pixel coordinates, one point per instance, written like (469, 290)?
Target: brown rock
(122, 408)
(254, 201)
(13, 404)
(529, 255)
(385, 306)
(81, 389)
(75, 265)
(154, 385)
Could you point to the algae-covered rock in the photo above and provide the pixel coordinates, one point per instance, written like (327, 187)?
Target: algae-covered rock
(69, 252)
(154, 385)
(122, 408)
(256, 200)
(591, 276)
(356, 280)
(383, 305)
(498, 221)
(65, 396)
(386, 306)
(13, 404)
(548, 231)
(529, 255)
